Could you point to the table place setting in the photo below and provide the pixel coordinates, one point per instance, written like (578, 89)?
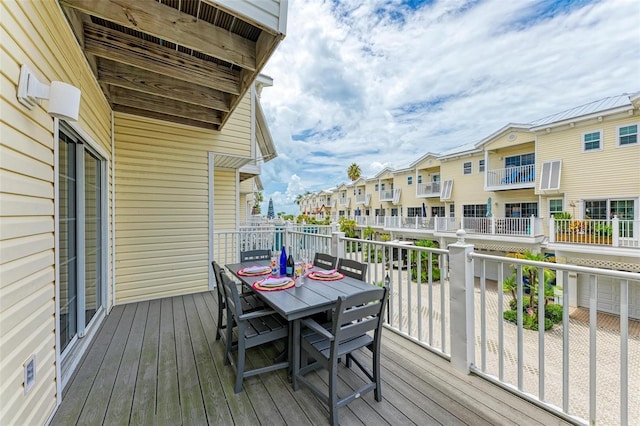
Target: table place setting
(274, 283)
(331, 275)
(254, 271)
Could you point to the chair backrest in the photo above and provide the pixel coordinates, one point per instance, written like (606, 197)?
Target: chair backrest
(352, 268)
(218, 271)
(255, 255)
(358, 314)
(325, 261)
(233, 297)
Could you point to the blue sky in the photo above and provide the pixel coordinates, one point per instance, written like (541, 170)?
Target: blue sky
(382, 82)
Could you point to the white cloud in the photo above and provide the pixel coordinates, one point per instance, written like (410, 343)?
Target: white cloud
(354, 84)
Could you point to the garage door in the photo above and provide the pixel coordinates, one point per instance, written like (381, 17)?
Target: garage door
(609, 295)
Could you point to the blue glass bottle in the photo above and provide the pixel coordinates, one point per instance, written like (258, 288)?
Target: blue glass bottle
(283, 261)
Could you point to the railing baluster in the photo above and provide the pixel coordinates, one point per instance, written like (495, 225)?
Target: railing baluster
(483, 315)
(593, 322)
(542, 285)
(624, 352)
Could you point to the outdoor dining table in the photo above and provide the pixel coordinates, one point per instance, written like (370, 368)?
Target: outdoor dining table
(296, 303)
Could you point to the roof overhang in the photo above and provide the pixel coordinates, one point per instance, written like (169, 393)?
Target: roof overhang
(183, 61)
(263, 135)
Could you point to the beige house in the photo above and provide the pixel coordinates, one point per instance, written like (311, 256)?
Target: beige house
(119, 205)
(505, 190)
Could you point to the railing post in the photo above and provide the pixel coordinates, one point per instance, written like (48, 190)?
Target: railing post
(552, 230)
(615, 232)
(532, 226)
(493, 225)
(337, 249)
(461, 303)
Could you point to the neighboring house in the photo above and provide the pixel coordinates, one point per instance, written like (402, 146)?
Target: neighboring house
(120, 205)
(505, 190)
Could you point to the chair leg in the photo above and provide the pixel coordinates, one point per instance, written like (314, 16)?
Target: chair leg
(219, 324)
(240, 361)
(333, 392)
(229, 339)
(376, 376)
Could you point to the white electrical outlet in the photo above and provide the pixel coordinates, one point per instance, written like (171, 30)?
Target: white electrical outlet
(29, 373)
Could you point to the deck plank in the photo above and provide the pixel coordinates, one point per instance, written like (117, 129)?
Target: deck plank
(100, 393)
(80, 384)
(143, 410)
(191, 404)
(168, 398)
(119, 409)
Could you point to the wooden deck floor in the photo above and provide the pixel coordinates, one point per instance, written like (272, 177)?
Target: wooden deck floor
(157, 363)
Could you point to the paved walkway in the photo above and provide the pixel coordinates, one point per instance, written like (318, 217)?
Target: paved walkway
(607, 350)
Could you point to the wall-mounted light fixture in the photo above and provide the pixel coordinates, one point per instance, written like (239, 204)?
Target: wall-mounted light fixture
(64, 99)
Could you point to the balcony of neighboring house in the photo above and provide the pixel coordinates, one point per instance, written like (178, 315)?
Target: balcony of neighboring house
(363, 199)
(344, 201)
(513, 177)
(617, 233)
(392, 195)
(430, 189)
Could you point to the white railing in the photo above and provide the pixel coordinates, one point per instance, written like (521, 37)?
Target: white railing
(431, 189)
(576, 368)
(518, 175)
(344, 201)
(386, 195)
(446, 224)
(361, 198)
(609, 232)
(526, 226)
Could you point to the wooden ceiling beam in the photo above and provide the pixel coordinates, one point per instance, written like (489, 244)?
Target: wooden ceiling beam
(130, 50)
(165, 117)
(145, 101)
(169, 24)
(128, 77)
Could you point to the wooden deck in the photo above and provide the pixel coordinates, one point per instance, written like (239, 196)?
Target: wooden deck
(157, 363)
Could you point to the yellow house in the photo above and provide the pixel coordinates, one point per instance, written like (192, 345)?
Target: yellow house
(119, 205)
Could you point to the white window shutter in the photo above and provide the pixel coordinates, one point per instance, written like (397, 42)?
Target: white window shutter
(447, 186)
(550, 175)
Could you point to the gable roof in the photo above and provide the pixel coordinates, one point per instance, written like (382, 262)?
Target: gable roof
(605, 106)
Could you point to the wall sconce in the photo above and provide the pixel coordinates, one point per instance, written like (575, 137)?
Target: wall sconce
(64, 99)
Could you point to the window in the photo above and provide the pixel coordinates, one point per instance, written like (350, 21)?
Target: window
(474, 210)
(419, 178)
(520, 160)
(628, 135)
(376, 188)
(466, 168)
(391, 186)
(437, 211)
(591, 141)
(409, 180)
(480, 166)
(435, 177)
(452, 210)
(556, 205)
(414, 211)
(394, 211)
(82, 212)
(521, 209)
(382, 187)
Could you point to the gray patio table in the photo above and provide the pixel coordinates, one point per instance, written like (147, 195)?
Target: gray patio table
(296, 303)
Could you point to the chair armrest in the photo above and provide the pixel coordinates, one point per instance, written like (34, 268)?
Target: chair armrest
(313, 325)
(256, 314)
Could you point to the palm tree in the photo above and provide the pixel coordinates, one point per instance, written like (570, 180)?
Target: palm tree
(354, 172)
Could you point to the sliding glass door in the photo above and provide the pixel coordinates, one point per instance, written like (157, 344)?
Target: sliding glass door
(81, 216)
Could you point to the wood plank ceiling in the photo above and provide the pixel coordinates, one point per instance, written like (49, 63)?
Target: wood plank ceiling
(183, 61)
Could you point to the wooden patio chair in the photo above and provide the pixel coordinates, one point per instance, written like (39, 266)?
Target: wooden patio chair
(325, 261)
(253, 329)
(248, 255)
(354, 317)
(353, 268)
(250, 302)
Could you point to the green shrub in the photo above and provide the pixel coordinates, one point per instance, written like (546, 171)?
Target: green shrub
(554, 313)
(529, 322)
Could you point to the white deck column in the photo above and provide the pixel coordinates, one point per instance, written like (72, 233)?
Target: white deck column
(461, 302)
